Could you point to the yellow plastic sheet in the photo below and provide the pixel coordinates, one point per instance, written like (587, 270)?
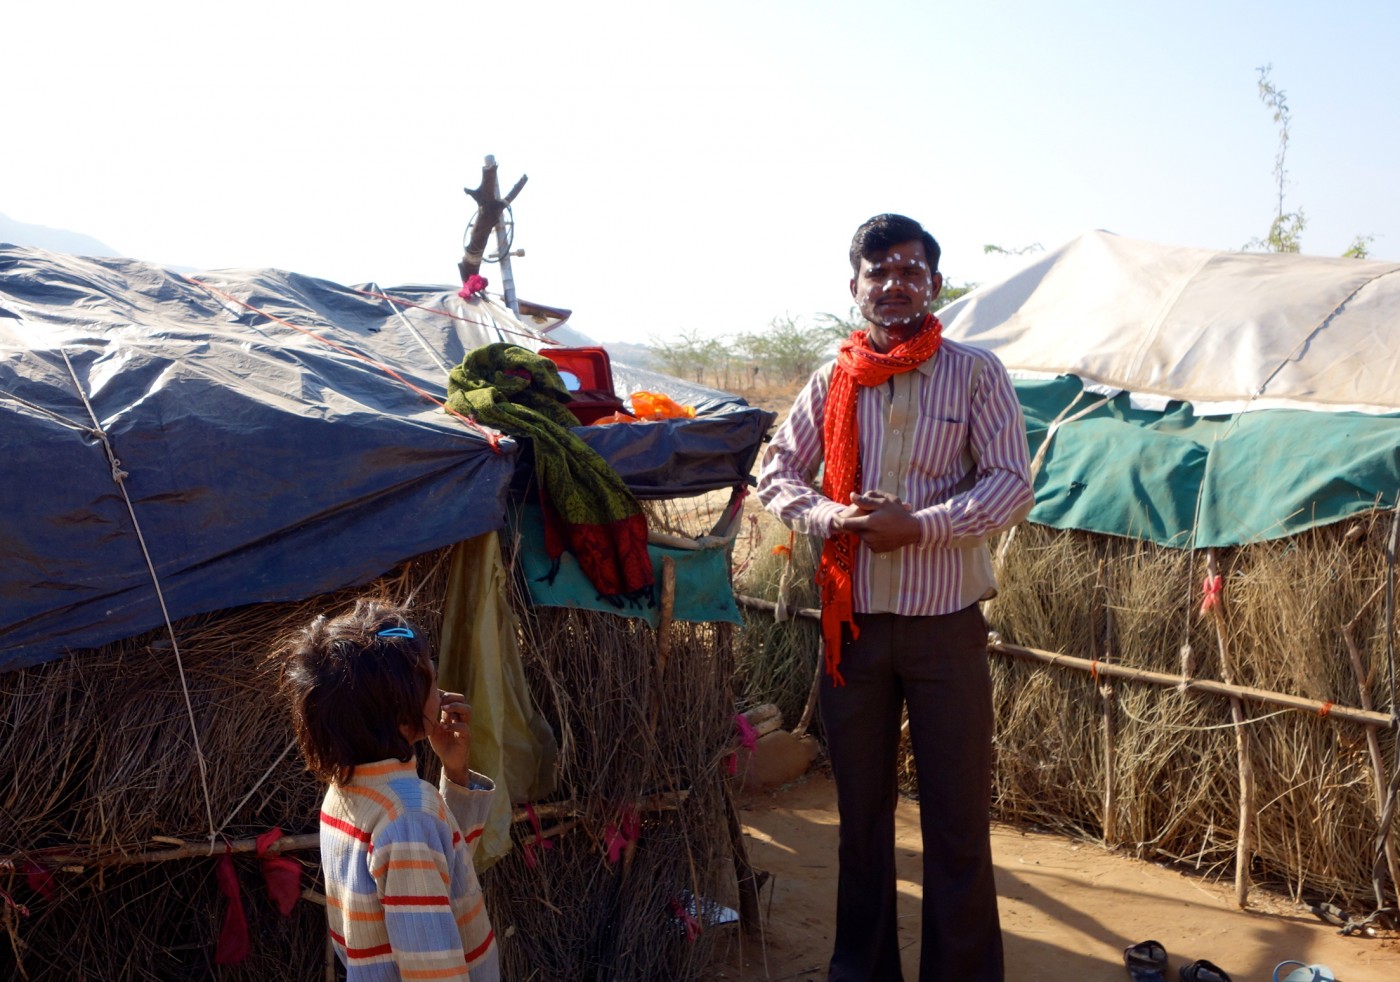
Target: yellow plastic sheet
(480, 657)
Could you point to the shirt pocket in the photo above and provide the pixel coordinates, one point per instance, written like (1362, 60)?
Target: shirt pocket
(939, 439)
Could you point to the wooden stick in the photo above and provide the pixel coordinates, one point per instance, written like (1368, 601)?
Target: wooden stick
(1089, 666)
(749, 918)
(1207, 686)
(557, 829)
(76, 858)
(1110, 729)
(1244, 840)
(1373, 744)
(662, 801)
(663, 637)
(811, 613)
(186, 850)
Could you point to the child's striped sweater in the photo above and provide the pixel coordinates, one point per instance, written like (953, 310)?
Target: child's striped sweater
(402, 896)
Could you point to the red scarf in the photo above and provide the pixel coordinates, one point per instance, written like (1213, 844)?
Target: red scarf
(857, 364)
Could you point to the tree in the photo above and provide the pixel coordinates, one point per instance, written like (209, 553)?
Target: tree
(790, 349)
(1286, 230)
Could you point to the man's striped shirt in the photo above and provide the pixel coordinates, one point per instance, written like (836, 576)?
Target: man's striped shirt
(949, 439)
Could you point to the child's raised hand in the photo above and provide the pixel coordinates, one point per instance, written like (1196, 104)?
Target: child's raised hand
(451, 737)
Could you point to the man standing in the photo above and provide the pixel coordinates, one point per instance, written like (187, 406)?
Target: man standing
(923, 450)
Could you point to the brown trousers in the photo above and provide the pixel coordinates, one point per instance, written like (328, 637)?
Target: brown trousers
(938, 666)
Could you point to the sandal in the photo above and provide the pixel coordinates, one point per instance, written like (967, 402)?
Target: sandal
(1146, 961)
(1304, 973)
(1203, 971)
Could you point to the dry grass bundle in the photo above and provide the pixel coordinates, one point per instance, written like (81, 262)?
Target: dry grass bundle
(100, 760)
(1175, 772)
(634, 722)
(777, 659)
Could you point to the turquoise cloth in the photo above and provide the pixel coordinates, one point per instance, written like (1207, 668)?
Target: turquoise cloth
(703, 590)
(1257, 476)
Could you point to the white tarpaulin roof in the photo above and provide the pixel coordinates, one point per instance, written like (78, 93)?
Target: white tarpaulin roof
(1225, 331)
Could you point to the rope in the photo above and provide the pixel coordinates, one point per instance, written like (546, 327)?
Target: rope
(492, 437)
(259, 782)
(118, 477)
(422, 341)
(61, 420)
(523, 331)
(1184, 728)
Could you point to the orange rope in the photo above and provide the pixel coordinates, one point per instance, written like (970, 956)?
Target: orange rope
(491, 436)
(1325, 709)
(447, 313)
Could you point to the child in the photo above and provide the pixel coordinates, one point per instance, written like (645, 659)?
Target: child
(402, 897)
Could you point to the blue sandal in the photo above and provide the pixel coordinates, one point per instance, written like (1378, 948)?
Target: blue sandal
(1146, 961)
(1304, 973)
(1203, 971)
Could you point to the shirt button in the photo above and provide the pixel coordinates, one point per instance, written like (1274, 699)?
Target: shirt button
(896, 432)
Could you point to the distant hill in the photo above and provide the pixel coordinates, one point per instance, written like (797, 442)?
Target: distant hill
(53, 239)
(636, 355)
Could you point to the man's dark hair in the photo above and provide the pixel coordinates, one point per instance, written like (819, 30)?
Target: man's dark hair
(883, 231)
(351, 686)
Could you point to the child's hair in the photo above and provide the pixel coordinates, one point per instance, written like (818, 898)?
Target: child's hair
(352, 681)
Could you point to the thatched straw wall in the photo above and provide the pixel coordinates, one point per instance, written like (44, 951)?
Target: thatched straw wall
(99, 760)
(627, 731)
(1174, 759)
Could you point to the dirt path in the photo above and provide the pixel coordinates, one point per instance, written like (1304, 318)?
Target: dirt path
(1068, 909)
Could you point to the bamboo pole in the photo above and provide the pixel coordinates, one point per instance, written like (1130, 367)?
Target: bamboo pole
(1206, 686)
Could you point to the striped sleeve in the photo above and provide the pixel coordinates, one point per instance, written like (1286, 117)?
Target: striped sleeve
(1001, 494)
(469, 805)
(412, 866)
(786, 477)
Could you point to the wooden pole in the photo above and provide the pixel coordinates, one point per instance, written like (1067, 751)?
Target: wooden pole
(1244, 841)
(489, 208)
(1373, 743)
(1110, 749)
(1206, 686)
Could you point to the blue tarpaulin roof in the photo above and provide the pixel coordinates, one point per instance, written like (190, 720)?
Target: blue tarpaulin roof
(270, 442)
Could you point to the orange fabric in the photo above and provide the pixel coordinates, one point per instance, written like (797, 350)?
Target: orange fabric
(857, 364)
(657, 405)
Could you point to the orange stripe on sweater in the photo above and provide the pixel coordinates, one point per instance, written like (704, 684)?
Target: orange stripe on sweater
(470, 915)
(450, 972)
(390, 806)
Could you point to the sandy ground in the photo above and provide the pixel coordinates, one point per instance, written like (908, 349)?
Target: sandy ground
(1067, 908)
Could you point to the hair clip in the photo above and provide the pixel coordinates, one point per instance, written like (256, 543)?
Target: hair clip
(396, 632)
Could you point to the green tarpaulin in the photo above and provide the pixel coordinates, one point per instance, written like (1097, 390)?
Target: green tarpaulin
(1183, 480)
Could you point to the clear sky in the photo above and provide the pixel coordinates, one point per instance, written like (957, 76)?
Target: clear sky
(692, 167)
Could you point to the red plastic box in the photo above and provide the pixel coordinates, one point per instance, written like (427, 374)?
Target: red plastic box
(594, 396)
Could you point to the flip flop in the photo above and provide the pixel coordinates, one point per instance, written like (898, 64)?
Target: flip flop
(1203, 971)
(1146, 961)
(1304, 973)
